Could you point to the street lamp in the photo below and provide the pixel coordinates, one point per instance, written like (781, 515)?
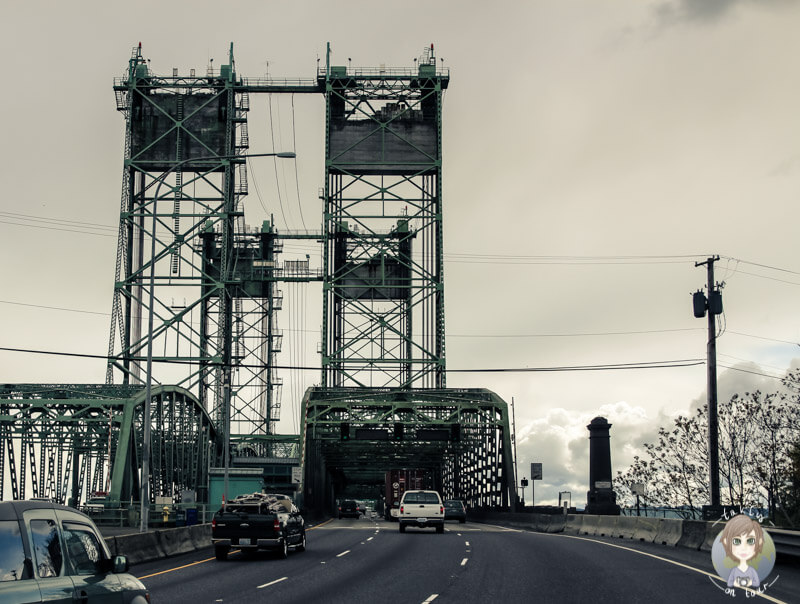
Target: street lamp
(145, 485)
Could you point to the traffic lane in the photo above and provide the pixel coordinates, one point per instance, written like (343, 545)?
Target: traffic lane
(343, 563)
(199, 576)
(393, 567)
(515, 566)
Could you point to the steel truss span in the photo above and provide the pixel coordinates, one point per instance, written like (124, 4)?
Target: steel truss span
(68, 442)
(461, 436)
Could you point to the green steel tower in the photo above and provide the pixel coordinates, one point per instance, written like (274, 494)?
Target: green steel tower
(189, 273)
(383, 292)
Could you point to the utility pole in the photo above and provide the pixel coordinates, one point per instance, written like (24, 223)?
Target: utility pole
(514, 442)
(712, 304)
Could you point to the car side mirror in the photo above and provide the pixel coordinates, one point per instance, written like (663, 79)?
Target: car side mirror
(121, 564)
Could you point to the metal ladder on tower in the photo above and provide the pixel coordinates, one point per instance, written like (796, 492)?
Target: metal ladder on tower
(176, 205)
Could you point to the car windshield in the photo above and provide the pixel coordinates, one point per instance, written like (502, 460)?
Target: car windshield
(421, 498)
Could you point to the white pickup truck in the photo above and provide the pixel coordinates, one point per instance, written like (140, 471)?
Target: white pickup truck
(422, 509)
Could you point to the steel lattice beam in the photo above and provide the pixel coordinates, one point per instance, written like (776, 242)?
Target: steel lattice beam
(75, 440)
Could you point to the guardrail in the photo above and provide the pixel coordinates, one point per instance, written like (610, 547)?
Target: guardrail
(692, 534)
(177, 515)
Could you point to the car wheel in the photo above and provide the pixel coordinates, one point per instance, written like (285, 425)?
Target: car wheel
(440, 528)
(283, 552)
(402, 528)
(301, 547)
(221, 552)
(462, 520)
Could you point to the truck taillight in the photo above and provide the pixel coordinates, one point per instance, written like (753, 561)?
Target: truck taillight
(441, 509)
(401, 509)
(276, 525)
(213, 523)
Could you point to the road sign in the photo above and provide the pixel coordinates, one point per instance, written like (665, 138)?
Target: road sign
(536, 471)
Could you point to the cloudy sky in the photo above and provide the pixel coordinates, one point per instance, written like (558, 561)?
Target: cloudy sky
(593, 152)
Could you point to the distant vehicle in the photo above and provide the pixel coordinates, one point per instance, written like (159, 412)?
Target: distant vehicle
(421, 509)
(94, 505)
(398, 482)
(258, 522)
(454, 510)
(50, 552)
(349, 509)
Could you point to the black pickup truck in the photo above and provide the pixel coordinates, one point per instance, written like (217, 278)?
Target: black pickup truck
(258, 522)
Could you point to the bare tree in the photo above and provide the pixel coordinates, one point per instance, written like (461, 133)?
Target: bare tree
(756, 433)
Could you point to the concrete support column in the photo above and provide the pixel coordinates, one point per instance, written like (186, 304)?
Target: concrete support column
(601, 498)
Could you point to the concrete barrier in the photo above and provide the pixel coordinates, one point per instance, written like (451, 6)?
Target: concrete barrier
(555, 523)
(712, 530)
(574, 524)
(693, 534)
(589, 526)
(646, 529)
(200, 534)
(175, 541)
(606, 526)
(139, 547)
(669, 531)
(626, 527)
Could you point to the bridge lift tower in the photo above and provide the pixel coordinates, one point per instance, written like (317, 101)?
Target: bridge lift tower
(383, 402)
(197, 290)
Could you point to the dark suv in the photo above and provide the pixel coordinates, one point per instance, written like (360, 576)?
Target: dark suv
(349, 508)
(454, 510)
(49, 552)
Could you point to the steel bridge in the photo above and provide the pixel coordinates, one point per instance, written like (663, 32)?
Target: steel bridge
(355, 435)
(197, 296)
(69, 442)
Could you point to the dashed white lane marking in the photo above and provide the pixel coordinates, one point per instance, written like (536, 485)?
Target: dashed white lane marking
(431, 598)
(466, 543)
(464, 562)
(345, 552)
(272, 582)
(370, 539)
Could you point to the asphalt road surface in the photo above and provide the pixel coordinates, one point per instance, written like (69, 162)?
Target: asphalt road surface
(366, 561)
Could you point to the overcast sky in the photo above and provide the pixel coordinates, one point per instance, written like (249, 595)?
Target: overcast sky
(593, 152)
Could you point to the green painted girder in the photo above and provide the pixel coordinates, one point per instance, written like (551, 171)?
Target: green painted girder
(86, 422)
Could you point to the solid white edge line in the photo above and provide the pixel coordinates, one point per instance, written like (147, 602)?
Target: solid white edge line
(272, 582)
(675, 562)
(343, 553)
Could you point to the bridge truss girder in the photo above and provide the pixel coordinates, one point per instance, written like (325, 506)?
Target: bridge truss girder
(462, 436)
(66, 442)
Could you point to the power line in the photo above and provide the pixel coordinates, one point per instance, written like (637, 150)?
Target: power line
(573, 335)
(774, 268)
(36, 226)
(88, 312)
(604, 367)
(738, 333)
(456, 335)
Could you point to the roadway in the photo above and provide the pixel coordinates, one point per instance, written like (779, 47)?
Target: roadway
(368, 560)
